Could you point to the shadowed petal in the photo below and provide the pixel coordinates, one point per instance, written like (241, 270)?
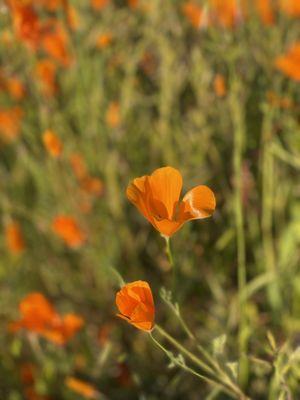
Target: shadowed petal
(199, 203)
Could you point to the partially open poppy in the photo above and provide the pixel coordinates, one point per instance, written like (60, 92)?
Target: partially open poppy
(136, 305)
(157, 197)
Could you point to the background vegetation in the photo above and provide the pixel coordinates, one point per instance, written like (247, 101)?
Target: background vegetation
(140, 85)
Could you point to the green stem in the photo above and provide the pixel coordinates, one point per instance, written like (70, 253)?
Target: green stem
(171, 261)
(239, 139)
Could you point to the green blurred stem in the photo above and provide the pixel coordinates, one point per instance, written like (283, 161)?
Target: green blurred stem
(171, 261)
(239, 139)
(221, 380)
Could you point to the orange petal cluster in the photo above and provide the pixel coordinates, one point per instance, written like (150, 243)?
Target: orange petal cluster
(290, 7)
(135, 304)
(14, 238)
(69, 230)
(39, 316)
(10, 123)
(157, 197)
(52, 143)
(82, 388)
(289, 63)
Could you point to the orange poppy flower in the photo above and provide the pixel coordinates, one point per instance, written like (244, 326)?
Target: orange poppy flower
(289, 63)
(26, 23)
(68, 229)
(52, 143)
(78, 165)
(219, 85)
(103, 40)
(14, 238)
(92, 185)
(45, 72)
(265, 11)
(55, 43)
(10, 123)
(194, 13)
(99, 5)
(290, 7)
(78, 386)
(39, 316)
(157, 197)
(15, 88)
(113, 117)
(226, 12)
(136, 305)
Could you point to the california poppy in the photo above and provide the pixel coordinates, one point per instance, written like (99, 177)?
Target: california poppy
(45, 72)
(68, 229)
(15, 88)
(157, 197)
(265, 11)
(290, 7)
(289, 63)
(219, 85)
(39, 316)
(194, 13)
(83, 388)
(52, 143)
(99, 5)
(14, 238)
(136, 305)
(10, 123)
(113, 117)
(103, 40)
(55, 42)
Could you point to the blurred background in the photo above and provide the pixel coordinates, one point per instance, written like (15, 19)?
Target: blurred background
(94, 93)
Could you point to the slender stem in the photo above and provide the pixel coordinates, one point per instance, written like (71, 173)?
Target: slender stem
(239, 138)
(171, 261)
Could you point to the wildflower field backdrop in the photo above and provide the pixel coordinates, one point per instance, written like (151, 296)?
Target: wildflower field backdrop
(149, 199)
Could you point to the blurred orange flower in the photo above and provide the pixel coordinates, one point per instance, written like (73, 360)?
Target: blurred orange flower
(10, 123)
(226, 12)
(136, 305)
(113, 117)
(78, 166)
(290, 7)
(27, 373)
(265, 11)
(99, 4)
(14, 238)
(78, 386)
(219, 85)
(68, 229)
(15, 88)
(45, 72)
(92, 185)
(52, 143)
(157, 197)
(194, 14)
(289, 63)
(103, 40)
(55, 43)
(39, 316)
(25, 22)
(133, 3)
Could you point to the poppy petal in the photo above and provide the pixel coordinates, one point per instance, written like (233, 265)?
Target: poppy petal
(166, 185)
(199, 203)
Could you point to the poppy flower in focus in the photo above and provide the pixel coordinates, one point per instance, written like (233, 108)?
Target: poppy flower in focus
(39, 316)
(10, 123)
(52, 143)
(82, 388)
(136, 305)
(157, 197)
(45, 72)
(14, 238)
(219, 85)
(289, 63)
(68, 229)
